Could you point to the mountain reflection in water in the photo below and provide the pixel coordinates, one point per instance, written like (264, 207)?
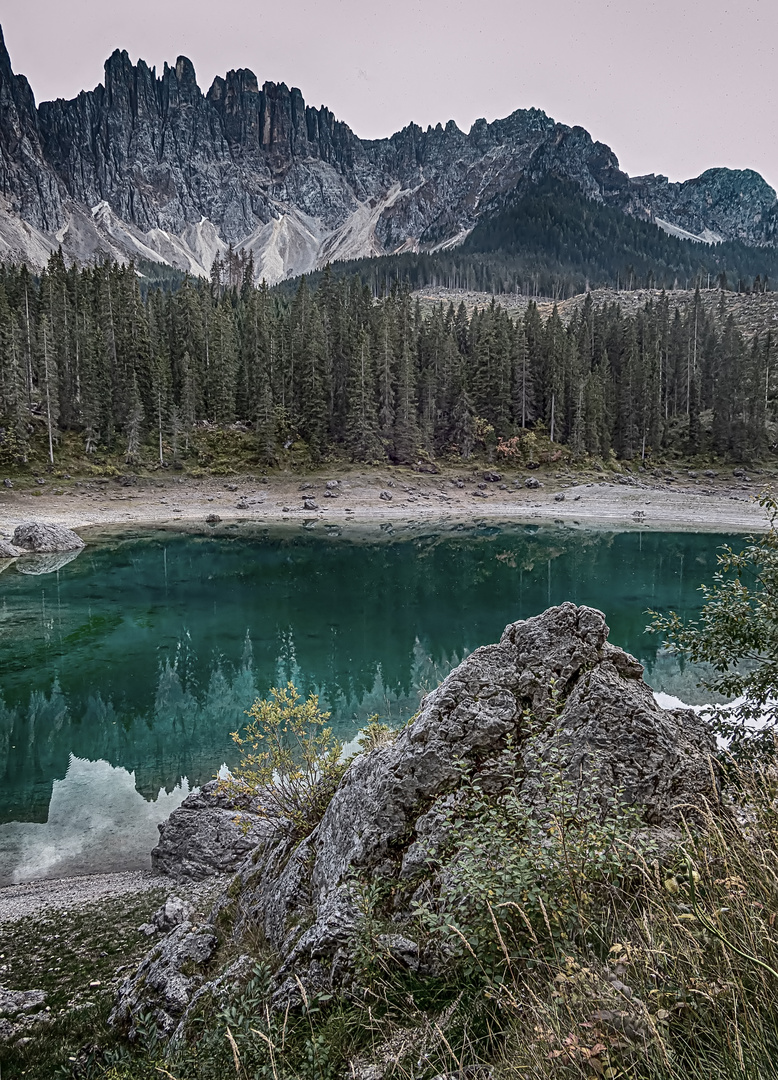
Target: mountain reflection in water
(143, 654)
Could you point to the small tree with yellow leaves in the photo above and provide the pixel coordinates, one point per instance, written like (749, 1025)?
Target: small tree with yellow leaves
(290, 757)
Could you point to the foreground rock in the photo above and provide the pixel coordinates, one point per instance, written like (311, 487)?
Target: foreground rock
(553, 687)
(46, 539)
(19, 1010)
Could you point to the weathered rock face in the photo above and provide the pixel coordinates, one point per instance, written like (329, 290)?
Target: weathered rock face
(168, 977)
(209, 834)
(560, 693)
(46, 539)
(149, 166)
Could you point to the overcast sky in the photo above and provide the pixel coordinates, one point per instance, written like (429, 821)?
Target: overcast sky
(672, 86)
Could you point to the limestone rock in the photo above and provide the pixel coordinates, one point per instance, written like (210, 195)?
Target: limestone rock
(8, 551)
(40, 537)
(210, 833)
(591, 714)
(602, 724)
(171, 914)
(167, 979)
(13, 1002)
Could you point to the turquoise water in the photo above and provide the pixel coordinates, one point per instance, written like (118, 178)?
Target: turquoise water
(123, 673)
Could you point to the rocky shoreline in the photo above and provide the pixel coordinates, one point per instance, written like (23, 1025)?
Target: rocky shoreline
(664, 499)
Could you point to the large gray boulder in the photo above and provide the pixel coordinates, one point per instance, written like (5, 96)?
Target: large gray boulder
(210, 833)
(40, 537)
(556, 691)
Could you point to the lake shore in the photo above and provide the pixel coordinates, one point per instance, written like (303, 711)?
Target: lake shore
(341, 495)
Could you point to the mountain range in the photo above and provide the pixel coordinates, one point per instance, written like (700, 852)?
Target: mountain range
(147, 166)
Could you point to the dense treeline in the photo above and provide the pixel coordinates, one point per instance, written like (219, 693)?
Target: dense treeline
(373, 379)
(548, 240)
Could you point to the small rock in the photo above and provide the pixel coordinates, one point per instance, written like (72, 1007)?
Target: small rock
(213, 519)
(39, 480)
(242, 505)
(210, 833)
(285, 510)
(172, 913)
(400, 948)
(386, 496)
(8, 483)
(711, 474)
(330, 494)
(531, 482)
(331, 485)
(231, 487)
(309, 504)
(492, 477)
(13, 1002)
(306, 486)
(559, 497)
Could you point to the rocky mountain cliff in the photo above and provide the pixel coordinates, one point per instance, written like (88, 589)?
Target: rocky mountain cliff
(147, 166)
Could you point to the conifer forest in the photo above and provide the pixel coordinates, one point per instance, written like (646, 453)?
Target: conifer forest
(342, 372)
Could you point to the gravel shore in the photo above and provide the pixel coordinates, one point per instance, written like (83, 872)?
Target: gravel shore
(658, 499)
(33, 898)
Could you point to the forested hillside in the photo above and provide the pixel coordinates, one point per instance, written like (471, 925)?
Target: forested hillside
(548, 240)
(336, 371)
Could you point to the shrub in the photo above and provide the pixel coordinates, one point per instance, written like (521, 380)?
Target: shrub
(290, 756)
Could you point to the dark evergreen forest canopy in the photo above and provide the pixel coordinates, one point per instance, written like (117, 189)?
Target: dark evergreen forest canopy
(337, 371)
(547, 239)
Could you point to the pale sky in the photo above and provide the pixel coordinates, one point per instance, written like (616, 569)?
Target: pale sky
(672, 86)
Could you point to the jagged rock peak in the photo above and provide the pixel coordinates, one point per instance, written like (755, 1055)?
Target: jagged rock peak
(178, 175)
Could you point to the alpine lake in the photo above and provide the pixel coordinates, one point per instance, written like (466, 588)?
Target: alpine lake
(124, 670)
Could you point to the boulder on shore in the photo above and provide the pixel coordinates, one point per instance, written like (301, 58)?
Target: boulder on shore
(44, 538)
(8, 550)
(210, 833)
(553, 690)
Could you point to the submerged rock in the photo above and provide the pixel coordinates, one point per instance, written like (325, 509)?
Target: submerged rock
(553, 689)
(40, 537)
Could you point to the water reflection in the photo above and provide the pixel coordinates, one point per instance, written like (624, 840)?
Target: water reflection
(35, 565)
(145, 651)
(96, 820)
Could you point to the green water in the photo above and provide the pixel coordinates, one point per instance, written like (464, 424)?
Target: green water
(125, 671)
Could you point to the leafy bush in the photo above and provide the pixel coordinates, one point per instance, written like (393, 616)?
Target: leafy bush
(290, 756)
(737, 634)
